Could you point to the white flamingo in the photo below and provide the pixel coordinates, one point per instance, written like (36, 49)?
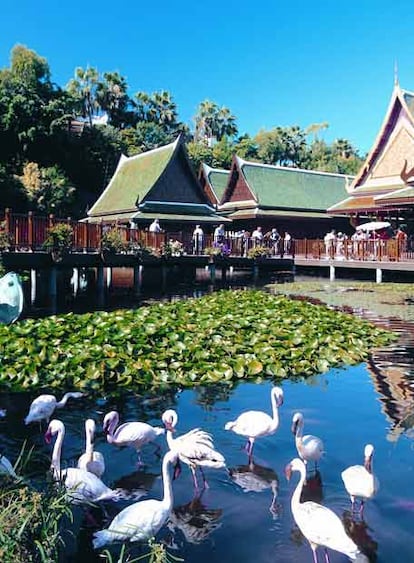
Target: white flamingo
(134, 434)
(141, 520)
(255, 424)
(310, 448)
(195, 448)
(360, 481)
(81, 485)
(320, 525)
(91, 460)
(44, 405)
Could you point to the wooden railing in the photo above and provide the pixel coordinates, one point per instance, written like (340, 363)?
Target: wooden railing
(27, 233)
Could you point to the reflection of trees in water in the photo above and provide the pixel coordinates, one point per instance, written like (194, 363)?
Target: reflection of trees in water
(358, 530)
(256, 478)
(208, 395)
(194, 521)
(145, 407)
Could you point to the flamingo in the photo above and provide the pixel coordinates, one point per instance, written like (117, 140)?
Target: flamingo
(141, 520)
(255, 424)
(91, 460)
(81, 485)
(360, 481)
(310, 448)
(44, 405)
(320, 525)
(195, 448)
(256, 478)
(135, 434)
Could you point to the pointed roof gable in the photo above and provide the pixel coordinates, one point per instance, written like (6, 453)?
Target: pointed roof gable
(213, 181)
(281, 187)
(389, 165)
(160, 181)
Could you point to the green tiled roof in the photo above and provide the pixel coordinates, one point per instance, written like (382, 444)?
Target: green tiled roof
(218, 180)
(132, 180)
(279, 187)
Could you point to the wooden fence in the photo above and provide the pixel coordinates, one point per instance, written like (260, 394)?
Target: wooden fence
(27, 233)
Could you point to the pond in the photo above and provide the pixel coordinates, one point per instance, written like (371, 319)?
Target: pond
(234, 520)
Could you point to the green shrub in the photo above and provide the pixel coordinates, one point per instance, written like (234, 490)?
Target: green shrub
(112, 241)
(258, 252)
(59, 237)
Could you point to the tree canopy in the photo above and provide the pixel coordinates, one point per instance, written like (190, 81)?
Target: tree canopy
(60, 145)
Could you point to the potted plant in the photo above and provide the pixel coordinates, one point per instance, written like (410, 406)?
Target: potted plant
(259, 252)
(59, 241)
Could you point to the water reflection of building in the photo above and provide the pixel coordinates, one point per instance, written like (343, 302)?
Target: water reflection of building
(392, 373)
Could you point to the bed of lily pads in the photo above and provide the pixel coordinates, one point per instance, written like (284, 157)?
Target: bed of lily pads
(225, 336)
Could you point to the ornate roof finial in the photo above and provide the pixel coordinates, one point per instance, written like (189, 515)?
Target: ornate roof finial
(396, 82)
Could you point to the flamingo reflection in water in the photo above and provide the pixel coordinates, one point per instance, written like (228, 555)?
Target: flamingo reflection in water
(359, 530)
(194, 520)
(320, 525)
(256, 478)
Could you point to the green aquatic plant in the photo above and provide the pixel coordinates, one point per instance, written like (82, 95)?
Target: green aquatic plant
(221, 337)
(157, 554)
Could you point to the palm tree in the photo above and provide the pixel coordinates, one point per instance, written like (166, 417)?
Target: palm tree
(212, 121)
(84, 87)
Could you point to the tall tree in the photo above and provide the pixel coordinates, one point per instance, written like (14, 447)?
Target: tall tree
(112, 98)
(213, 122)
(84, 88)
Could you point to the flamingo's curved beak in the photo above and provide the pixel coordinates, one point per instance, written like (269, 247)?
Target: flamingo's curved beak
(48, 437)
(168, 426)
(288, 471)
(294, 427)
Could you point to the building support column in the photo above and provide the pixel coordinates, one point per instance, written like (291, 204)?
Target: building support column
(33, 286)
(378, 275)
(53, 289)
(108, 278)
(212, 270)
(75, 281)
(331, 273)
(100, 285)
(138, 279)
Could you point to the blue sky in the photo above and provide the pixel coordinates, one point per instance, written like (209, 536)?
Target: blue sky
(272, 63)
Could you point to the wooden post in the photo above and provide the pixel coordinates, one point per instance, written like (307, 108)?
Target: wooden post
(331, 273)
(108, 277)
(30, 229)
(7, 220)
(212, 270)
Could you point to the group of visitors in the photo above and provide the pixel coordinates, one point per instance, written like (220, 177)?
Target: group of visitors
(245, 240)
(340, 245)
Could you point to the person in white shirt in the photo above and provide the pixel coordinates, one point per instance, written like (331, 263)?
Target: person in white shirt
(155, 227)
(198, 240)
(257, 236)
(219, 234)
(330, 243)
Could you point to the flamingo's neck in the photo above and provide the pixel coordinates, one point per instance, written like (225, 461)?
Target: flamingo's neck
(167, 500)
(170, 439)
(57, 452)
(89, 444)
(299, 433)
(295, 502)
(275, 410)
(110, 438)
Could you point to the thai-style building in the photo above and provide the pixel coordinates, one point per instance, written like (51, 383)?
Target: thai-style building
(384, 187)
(291, 199)
(158, 184)
(213, 181)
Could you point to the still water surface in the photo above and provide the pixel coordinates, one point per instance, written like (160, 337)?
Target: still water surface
(234, 519)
